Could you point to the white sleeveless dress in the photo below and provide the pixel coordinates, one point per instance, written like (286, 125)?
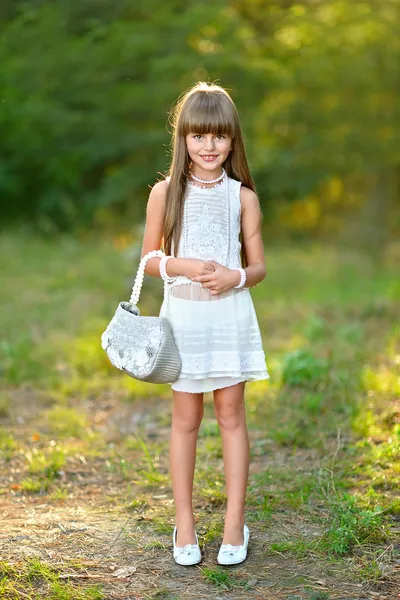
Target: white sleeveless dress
(218, 336)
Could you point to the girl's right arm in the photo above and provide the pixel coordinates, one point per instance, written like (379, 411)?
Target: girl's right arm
(153, 234)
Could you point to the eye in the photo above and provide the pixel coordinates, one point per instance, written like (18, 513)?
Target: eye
(199, 135)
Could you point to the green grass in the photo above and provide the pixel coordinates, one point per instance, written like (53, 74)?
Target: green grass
(26, 579)
(300, 548)
(66, 422)
(8, 445)
(223, 579)
(325, 427)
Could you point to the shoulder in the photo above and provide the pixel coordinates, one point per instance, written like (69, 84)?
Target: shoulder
(160, 188)
(158, 192)
(157, 201)
(248, 198)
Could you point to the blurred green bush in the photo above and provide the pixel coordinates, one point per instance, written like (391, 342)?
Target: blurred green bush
(86, 86)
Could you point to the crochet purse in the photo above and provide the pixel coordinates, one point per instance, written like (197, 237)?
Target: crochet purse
(142, 347)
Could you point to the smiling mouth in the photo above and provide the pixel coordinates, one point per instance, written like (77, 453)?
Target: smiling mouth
(209, 156)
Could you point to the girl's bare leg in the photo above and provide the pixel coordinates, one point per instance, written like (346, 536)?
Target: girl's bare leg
(231, 416)
(187, 414)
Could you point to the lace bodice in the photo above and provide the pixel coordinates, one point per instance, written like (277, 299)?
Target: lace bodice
(211, 226)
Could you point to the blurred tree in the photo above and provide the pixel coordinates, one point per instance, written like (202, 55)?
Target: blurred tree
(86, 86)
(84, 104)
(333, 109)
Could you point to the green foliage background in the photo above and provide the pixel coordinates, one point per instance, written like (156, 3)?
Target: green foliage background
(86, 87)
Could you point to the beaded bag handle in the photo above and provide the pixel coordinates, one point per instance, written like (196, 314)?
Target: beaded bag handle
(137, 286)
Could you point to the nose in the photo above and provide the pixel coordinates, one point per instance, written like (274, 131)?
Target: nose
(209, 145)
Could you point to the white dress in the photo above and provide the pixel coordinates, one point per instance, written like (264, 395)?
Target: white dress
(218, 336)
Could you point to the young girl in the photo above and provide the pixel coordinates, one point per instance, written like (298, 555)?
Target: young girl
(199, 213)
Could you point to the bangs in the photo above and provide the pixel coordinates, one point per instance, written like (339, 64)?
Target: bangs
(208, 113)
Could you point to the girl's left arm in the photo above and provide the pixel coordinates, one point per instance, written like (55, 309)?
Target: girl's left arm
(223, 278)
(252, 239)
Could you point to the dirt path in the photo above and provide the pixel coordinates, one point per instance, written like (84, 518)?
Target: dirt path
(104, 529)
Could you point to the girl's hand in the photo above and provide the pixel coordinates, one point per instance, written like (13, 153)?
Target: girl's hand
(220, 280)
(196, 267)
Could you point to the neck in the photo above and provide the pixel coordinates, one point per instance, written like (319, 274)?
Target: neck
(205, 174)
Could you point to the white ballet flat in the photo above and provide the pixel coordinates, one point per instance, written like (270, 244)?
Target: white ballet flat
(186, 555)
(232, 555)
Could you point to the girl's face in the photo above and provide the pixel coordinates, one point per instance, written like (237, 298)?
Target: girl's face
(207, 151)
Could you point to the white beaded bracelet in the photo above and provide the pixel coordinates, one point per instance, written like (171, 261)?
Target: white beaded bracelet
(163, 270)
(242, 277)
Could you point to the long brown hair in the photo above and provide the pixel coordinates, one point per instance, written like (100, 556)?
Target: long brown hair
(204, 108)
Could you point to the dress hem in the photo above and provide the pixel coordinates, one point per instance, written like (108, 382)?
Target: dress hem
(250, 375)
(211, 389)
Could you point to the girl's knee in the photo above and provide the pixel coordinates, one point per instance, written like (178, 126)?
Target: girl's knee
(230, 417)
(188, 423)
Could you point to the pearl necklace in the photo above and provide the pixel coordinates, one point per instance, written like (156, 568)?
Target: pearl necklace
(208, 180)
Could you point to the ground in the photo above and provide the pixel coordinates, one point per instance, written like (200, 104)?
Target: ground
(86, 500)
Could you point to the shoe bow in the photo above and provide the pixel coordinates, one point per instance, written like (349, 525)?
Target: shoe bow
(230, 548)
(186, 549)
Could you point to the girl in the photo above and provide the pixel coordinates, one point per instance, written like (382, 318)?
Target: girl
(199, 213)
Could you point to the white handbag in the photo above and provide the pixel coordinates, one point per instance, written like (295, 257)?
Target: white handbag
(143, 347)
